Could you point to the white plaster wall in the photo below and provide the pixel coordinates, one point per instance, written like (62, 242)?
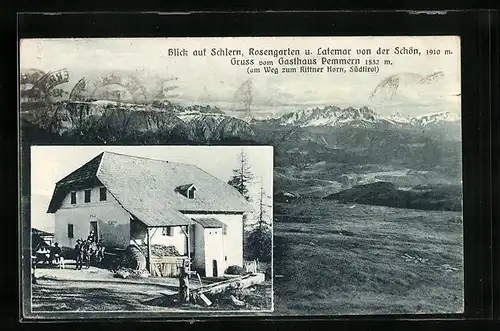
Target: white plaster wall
(232, 242)
(113, 220)
(214, 251)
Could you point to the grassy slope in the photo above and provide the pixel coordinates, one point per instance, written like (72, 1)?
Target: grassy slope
(354, 261)
(444, 197)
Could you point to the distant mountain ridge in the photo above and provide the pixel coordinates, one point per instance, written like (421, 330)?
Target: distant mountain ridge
(318, 151)
(334, 116)
(111, 121)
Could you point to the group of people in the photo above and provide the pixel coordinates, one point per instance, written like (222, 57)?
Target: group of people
(86, 250)
(49, 254)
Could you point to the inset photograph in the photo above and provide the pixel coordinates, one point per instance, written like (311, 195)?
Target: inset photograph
(151, 228)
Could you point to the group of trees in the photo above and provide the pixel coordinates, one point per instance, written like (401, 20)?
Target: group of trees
(258, 242)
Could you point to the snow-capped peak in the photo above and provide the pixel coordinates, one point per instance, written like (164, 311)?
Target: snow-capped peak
(435, 118)
(329, 116)
(357, 117)
(398, 118)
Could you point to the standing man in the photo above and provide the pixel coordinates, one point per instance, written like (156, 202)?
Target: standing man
(79, 254)
(55, 253)
(100, 251)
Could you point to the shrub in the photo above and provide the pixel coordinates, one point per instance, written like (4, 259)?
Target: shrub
(235, 270)
(258, 245)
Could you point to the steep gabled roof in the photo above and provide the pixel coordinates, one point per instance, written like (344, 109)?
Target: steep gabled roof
(85, 176)
(142, 179)
(146, 188)
(209, 222)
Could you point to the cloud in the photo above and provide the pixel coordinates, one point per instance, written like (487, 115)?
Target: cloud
(412, 94)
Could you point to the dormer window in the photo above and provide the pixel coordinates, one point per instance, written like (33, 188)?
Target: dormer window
(187, 190)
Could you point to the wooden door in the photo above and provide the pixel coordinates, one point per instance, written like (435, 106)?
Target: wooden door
(215, 269)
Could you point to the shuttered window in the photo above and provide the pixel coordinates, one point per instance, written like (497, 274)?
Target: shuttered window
(167, 231)
(102, 194)
(87, 196)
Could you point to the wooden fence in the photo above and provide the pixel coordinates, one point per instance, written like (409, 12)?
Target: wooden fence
(167, 266)
(251, 266)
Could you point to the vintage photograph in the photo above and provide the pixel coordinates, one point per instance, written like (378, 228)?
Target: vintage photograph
(367, 166)
(151, 228)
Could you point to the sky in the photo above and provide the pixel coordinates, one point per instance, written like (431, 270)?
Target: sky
(213, 80)
(49, 164)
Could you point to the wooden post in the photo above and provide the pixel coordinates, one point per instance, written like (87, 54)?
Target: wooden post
(189, 248)
(186, 233)
(33, 270)
(149, 249)
(183, 284)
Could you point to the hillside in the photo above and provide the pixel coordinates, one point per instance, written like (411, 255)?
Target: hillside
(337, 259)
(428, 197)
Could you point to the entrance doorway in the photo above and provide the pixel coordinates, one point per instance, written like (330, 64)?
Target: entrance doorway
(93, 227)
(215, 269)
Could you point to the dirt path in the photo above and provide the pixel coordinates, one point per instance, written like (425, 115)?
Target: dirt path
(66, 295)
(94, 290)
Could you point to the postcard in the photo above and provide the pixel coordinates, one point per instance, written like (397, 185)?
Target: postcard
(254, 176)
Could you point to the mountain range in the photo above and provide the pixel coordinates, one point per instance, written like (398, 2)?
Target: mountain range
(111, 121)
(357, 117)
(317, 152)
(211, 123)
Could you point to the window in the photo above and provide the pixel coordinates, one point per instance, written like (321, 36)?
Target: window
(70, 231)
(73, 198)
(167, 231)
(102, 194)
(186, 190)
(224, 229)
(87, 196)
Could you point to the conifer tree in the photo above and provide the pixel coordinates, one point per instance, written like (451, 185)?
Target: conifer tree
(242, 176)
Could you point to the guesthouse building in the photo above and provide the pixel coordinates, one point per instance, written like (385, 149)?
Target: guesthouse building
(129, 200)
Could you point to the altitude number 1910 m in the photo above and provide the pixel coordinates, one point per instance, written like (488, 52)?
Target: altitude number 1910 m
(438, 52)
